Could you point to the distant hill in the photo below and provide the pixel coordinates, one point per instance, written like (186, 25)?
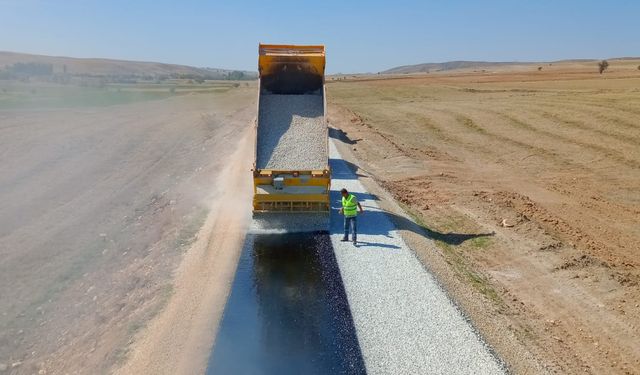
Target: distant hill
(449, 65)
(95, 67)
(454, 65)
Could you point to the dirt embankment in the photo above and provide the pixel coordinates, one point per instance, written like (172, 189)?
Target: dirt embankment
(179, 341)
(99, 207)
(528, 188)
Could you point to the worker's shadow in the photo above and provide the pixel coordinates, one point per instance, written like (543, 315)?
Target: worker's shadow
(342, 136)
(449, 238)
(376, 244)
(385, 223)
(377, 222)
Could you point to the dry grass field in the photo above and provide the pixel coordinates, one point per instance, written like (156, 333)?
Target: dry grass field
(528, 182)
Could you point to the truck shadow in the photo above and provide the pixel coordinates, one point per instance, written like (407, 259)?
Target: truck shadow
(287, 297)
(345, 170)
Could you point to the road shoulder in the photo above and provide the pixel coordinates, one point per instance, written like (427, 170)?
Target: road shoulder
(179, 340)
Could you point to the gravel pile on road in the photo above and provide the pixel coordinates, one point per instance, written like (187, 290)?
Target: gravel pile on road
(292, 134)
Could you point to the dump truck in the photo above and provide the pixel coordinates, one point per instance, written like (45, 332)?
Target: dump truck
(291, 170)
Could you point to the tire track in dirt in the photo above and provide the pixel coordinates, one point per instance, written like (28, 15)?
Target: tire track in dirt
(553, 156)
(419, 122)
(584, 119)
(598, 149)
(554, 137)
(580, 109)
(614, 105)
(582, 125)
(467, 140)
(463, 119)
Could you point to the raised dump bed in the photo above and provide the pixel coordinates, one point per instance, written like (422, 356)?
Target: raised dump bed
(291, 170)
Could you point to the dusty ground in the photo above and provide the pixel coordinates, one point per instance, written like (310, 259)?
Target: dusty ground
(179, 341)
(527, 181)
(99, 206)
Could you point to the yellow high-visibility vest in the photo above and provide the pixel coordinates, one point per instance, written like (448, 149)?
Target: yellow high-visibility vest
(350, 205)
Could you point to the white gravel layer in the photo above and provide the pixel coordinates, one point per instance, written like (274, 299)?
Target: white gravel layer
(405, 322)
(292, 133)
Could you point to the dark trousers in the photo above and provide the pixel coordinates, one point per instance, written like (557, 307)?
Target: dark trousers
(351, 222)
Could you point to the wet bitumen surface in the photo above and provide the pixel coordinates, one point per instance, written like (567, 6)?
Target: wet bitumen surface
(287, 312)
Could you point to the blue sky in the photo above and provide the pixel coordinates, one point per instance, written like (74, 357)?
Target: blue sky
(359, 36)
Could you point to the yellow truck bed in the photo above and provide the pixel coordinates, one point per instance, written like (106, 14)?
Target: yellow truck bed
(291, 169)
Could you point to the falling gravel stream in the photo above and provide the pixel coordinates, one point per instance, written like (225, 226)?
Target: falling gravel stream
(287, 312)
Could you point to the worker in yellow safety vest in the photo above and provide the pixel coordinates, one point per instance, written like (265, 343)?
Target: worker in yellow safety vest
(350, 206)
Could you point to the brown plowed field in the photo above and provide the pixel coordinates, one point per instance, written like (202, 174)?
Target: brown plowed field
(549, 162)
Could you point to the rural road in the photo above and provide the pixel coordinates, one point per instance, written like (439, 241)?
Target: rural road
(405, 322)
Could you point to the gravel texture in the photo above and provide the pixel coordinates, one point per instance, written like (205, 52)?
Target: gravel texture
(292, 133)
(405, 322)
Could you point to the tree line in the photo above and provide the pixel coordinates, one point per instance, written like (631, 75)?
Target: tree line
(22, 70)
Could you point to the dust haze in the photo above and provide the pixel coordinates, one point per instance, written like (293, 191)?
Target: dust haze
(105, 181)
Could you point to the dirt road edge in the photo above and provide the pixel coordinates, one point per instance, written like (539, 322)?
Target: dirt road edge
(179, 339)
